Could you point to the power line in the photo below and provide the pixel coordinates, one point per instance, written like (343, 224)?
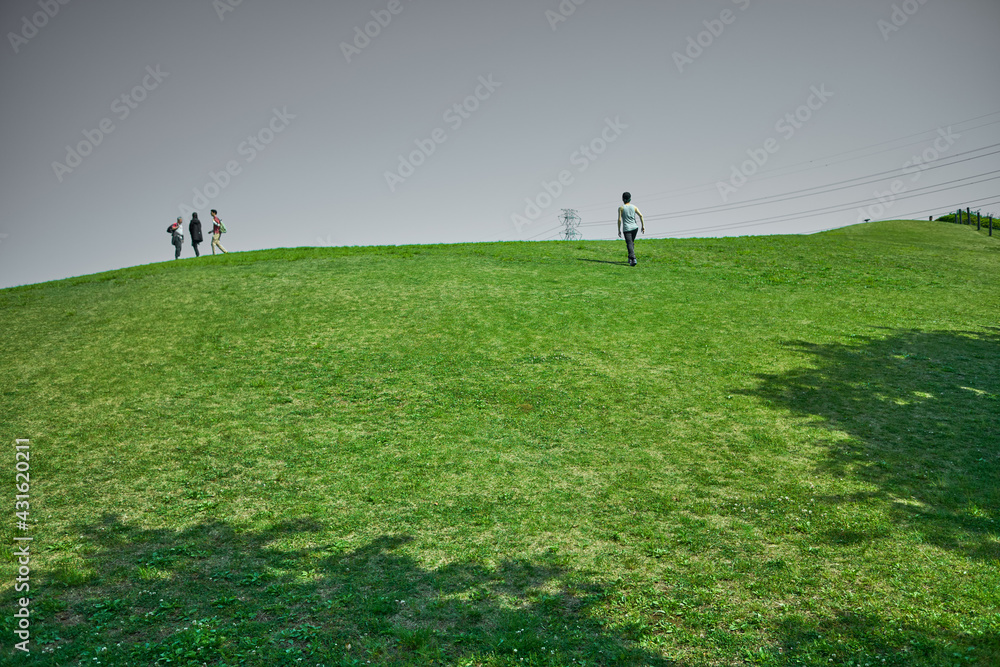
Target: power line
(838, 208)
(707, 186)
(980, 203)
(805, 192)
(547, 231)
(820, 166)
(793, 194)
(831, 209)
(951, 207)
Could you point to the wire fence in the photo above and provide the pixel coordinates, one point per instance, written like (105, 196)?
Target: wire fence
(970, 217)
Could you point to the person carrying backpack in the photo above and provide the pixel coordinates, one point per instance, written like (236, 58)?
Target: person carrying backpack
(176, 232)
(218, 229)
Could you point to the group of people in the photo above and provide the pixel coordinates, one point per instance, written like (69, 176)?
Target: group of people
(176, 232)
(627, 213)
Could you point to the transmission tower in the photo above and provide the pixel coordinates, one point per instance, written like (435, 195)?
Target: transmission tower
(571, 223)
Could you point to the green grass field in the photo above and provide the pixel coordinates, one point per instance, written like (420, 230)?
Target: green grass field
(748, 451)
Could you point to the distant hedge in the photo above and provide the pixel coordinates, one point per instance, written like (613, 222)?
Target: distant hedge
(984, 215)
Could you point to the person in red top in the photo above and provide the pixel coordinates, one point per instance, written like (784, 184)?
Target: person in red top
(216, 231)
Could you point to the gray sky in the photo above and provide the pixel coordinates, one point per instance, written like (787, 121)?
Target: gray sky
(312, 116)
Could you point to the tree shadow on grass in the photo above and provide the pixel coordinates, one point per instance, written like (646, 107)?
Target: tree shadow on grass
(215, 595)
(922, 410)
(861, 639)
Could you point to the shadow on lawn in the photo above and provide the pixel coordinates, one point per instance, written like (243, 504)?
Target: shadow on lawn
(214, 595)
(871, 641)
(923, 413)
(601, 261)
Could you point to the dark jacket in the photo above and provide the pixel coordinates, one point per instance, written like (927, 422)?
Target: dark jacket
(195, 229)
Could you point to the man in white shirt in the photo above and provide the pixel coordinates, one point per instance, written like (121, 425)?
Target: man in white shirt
(626, 223)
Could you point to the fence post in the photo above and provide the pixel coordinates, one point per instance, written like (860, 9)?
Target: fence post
(991, 225)
(958, 217)
(968, 215)
(978, 221)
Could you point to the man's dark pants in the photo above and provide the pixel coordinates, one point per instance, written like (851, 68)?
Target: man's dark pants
(630, 242)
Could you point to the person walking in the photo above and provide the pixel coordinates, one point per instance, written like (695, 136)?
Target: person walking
(195, 228)
(176, 232)
(217, 229)
(626, 222)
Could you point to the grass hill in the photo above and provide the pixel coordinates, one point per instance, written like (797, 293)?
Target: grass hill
(765, 450)
(981, 221)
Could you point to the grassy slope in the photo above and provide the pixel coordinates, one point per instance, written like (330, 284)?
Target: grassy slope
(773, 450)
